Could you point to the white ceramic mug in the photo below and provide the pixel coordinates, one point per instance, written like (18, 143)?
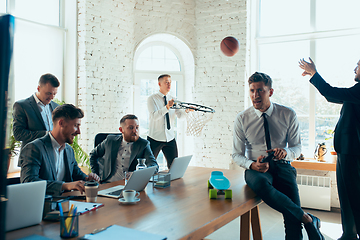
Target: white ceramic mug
(91, 190)
(130, 195)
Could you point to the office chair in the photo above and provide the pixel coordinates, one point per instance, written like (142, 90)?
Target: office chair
(101, 137)
(11, 181)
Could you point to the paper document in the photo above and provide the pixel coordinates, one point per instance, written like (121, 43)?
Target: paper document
(84, 207)
(119, 232)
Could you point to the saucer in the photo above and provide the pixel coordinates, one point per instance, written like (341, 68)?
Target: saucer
(122, 200)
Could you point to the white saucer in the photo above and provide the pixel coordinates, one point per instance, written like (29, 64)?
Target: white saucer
(122, 200)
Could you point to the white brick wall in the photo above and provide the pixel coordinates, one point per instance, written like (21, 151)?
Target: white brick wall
(105, 60)
(219, 79)
(109, 32)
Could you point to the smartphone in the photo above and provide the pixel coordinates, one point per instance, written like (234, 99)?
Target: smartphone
(269, 157)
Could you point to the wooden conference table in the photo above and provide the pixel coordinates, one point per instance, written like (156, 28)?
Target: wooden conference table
(181, 211)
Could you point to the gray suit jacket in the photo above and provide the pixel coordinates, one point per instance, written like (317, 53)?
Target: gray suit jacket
(103, 157)
(28, 123)
(38, 163)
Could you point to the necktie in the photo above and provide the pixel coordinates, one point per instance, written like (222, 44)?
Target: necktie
(167, 116)
(267, 133)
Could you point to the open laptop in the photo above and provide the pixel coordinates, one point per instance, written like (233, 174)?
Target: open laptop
(138, 181)
(178, 167)
(25, 204)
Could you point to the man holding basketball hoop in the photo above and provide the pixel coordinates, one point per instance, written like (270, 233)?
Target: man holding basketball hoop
(161, 121)
(272, 130)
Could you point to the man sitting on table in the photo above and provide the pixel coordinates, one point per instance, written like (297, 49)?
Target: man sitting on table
(118, 154)
(269, 127)
(50, 158)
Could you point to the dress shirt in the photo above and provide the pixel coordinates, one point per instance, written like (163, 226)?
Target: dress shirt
(59, 158)
(122, 161)
(249, 136)
(45, 113)
(157, 123)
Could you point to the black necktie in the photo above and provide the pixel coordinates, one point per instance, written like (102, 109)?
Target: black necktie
(167, 116)
(267, 133)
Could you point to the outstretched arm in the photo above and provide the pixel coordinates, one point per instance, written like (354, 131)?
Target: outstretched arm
(308, 67)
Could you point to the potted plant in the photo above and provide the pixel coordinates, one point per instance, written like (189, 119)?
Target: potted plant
(332, 152)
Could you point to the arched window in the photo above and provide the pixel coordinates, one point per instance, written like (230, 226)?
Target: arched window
(156, 55)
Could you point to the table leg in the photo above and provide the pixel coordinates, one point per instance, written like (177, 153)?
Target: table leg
(255, 224)
(245, 226)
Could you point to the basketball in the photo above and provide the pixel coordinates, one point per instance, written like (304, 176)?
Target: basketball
(229, 46)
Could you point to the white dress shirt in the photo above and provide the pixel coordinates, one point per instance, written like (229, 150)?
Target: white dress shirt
(249, 134)
(157, 124)
(59, 158)
(122, 161)
(45, 113)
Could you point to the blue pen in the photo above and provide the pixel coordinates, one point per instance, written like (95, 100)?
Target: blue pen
(73, 221)
(60, 209)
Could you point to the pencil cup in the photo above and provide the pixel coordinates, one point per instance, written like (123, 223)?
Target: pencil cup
(91, 190)
(69, 226)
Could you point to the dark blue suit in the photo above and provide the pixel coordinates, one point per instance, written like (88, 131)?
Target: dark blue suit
(38, 163)
(347, 146)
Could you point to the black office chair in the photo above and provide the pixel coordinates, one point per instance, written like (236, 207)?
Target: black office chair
(101, 137)
(14, 180)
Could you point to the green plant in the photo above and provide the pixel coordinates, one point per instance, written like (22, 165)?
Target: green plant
(330, 132)
(14, 144)
(80, 155)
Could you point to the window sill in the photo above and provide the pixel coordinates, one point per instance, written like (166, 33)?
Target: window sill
(314, 165)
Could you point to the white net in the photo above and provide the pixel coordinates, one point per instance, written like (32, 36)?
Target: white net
(196, 121)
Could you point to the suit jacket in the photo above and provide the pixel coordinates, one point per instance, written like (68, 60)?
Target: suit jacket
(28, 124)
(38, 163)
(347, 130)
(103, 157)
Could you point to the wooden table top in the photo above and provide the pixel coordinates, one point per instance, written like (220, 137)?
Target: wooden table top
(181, 211)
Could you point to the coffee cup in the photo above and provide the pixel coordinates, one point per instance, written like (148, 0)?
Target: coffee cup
(91, 190)
(130, 195)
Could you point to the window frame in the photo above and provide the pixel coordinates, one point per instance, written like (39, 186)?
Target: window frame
(258, 40)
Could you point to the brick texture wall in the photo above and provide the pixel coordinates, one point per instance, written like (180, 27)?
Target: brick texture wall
(108, 33)
(219, 79)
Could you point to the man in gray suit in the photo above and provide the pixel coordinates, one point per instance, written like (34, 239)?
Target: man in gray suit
(50, 158)
(32, 116)
(118, 154)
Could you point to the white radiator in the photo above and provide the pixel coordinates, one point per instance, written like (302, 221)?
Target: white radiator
(315, 191)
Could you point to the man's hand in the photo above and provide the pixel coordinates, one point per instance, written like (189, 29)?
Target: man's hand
(308, 67)
(170, 104)
(279, 153)
(78, 185)
(93, 176)
(259, 166)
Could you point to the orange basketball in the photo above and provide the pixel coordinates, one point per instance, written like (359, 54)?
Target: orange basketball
(229, 46)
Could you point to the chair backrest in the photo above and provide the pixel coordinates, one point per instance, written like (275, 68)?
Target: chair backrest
(14, 180)
(101, 137)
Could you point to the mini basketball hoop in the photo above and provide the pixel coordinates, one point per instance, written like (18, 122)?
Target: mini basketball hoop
(196, 119)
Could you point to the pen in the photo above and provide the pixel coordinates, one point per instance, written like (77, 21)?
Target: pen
(100, 230)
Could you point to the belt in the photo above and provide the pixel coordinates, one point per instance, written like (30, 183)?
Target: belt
(282, 161)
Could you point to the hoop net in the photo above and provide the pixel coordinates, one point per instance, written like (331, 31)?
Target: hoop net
(196, 121)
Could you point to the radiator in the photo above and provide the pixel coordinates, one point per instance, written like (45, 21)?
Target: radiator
(315, 191)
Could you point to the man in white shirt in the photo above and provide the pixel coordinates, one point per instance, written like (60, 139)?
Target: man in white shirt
(118, 154)
(32, 116)
(264, 128)
(51, 158)
(161, 121)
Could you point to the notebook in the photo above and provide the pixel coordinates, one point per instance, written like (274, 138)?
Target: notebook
(177, 168)
(25, 204)
(138, 181)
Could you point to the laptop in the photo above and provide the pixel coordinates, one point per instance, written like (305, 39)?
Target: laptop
(178, 167)
(138, 181)
(25, 204)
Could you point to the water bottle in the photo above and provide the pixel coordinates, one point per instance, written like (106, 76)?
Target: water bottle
(141, 163)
